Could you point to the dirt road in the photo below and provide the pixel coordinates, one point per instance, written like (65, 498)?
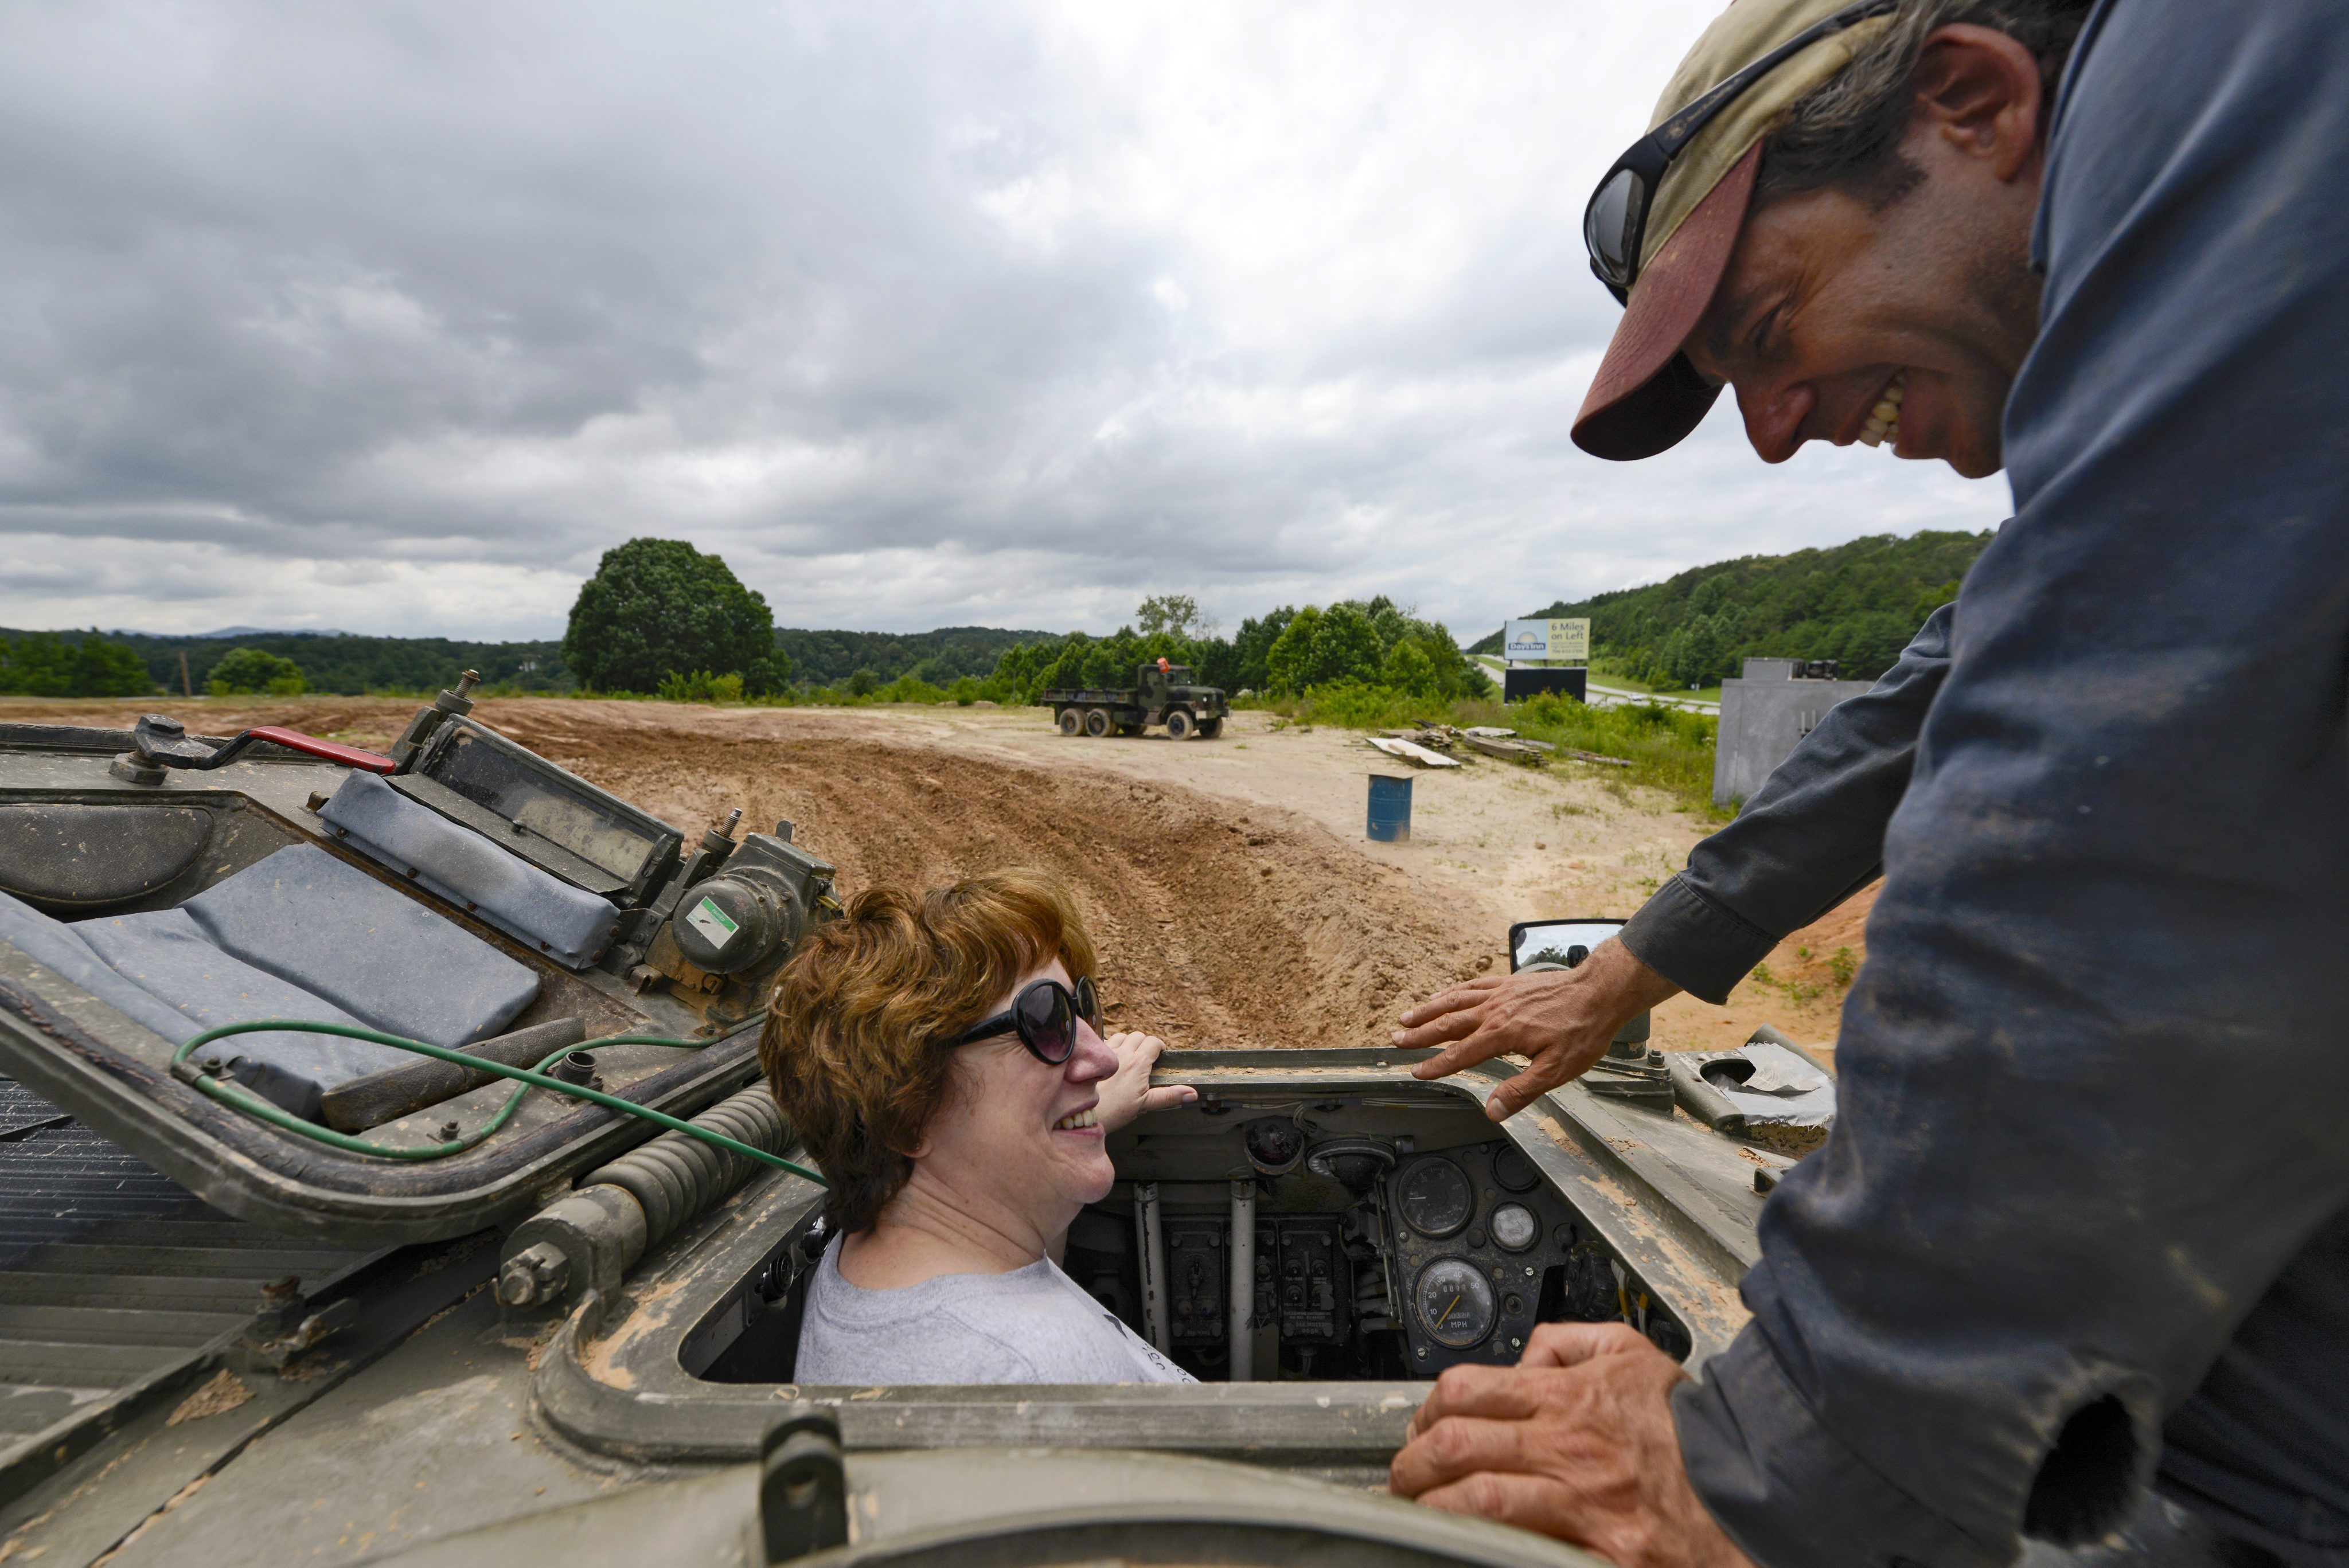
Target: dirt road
(1228, 883)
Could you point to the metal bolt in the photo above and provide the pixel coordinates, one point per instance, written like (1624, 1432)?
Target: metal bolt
(1515, 1343)
(447, 1131)
(278, 1291)
(1529, 1271)
(1422, 1353)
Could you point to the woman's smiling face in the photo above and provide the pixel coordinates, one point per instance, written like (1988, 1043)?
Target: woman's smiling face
(1020, 1132)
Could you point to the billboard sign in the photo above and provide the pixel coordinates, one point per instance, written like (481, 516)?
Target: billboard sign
(1547, 642)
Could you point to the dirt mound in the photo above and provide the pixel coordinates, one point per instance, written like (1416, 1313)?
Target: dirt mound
(1218, 925)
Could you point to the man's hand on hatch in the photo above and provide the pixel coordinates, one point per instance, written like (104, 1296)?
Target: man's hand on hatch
(1575, 1442)
(1126, 1093)
(1560, 1018)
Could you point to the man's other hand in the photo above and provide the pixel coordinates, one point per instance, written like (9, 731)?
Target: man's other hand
(1126, 1093)
(1575, 1442)
(1560, 1018)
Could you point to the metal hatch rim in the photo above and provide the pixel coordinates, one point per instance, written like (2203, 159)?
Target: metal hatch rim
(251, 1171)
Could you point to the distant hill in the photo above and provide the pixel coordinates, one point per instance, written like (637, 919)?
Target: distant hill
(1857, 603)
(346, 665)
(827, 658)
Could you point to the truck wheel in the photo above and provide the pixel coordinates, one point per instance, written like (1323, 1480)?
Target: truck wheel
(1210, 727)
(1180, 725)
(1097, 722)
(1069, 720)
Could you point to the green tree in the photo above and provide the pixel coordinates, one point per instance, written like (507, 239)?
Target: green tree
(1288, 663)
(103, 668)
(43, 664)
(659, 607)
(1408, 668)
(1250, 646)
(1346, 646)
(1699, 652)
(1171, 615)
(249, 672)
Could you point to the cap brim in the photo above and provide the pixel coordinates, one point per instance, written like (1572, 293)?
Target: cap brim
(1647, 395)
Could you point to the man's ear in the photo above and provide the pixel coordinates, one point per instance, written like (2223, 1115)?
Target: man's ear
(1979, 89)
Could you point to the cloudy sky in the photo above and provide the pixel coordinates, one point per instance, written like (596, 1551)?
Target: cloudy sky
(393, 317)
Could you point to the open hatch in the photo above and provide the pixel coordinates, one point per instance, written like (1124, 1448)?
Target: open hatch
(462, 892)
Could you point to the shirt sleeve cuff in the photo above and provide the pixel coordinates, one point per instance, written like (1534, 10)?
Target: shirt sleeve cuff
(1787, 1490)
(1694, 943)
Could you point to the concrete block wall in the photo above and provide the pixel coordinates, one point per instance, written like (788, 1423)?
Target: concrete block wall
(1764, 716)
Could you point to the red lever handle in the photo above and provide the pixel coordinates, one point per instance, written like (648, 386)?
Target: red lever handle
(328, 751)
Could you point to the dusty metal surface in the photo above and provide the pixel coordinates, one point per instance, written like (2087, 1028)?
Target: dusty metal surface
(116, 1285)
(1039, 1505)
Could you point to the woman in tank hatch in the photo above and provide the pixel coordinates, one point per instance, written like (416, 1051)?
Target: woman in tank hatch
(941, 1056)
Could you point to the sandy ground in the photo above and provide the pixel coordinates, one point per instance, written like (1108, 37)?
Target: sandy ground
(1228, 883)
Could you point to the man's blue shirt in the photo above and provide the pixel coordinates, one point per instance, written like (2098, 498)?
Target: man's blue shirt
(2085, 1214)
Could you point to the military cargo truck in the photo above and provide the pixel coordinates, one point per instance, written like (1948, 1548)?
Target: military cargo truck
(293, 1296)
(1160, 694)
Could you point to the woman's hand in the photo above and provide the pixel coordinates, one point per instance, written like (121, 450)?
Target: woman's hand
(1126, 1093)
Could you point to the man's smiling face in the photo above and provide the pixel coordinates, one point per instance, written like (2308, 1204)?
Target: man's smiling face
(1829, 311)
(1900, 317)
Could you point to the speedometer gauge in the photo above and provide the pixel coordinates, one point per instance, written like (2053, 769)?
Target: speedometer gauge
(1436, 1197)
(1453, 1302)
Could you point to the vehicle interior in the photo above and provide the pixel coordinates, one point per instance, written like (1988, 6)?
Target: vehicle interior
(1383, 1235)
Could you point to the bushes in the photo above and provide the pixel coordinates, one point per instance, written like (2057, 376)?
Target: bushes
(700, 687)
(43, 664)
(252, 672)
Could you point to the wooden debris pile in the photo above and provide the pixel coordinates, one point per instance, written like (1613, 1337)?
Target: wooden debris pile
(1426, 743)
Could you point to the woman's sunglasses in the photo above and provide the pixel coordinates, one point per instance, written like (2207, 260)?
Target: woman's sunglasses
(1615, 225)
(1044, 1015)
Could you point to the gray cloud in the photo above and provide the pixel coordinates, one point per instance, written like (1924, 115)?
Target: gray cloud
(393, 317)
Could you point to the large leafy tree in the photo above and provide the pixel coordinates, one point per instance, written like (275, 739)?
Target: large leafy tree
(659, 607)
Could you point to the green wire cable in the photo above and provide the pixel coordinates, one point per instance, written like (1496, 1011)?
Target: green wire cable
(228, 1091)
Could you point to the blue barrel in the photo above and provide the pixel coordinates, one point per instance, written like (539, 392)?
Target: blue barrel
(1390, 809)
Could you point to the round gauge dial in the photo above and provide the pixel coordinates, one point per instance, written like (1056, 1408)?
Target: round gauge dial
(1454, 1303)
(1515, 1227)
(1436, 1198)
(1511, 1170)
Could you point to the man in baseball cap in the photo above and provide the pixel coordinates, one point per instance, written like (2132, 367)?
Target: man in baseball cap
(2074, 1269)
(1713, 257)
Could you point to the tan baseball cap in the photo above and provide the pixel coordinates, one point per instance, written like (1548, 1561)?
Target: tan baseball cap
(1647, 395)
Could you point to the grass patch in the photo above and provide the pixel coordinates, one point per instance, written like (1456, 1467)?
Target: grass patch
(1669, 750)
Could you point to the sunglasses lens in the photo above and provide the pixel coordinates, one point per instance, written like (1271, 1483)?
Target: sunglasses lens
(1088, 1003)
(1607, 223)
(1047, 1024)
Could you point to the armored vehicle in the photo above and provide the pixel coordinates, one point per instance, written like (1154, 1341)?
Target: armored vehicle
(336, 1233)
(1160, 694)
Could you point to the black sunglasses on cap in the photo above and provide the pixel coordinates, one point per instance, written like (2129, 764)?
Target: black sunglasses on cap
(1615, 225)
(1044, 1015)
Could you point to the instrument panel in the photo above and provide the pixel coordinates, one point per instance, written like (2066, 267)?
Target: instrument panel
(1482, 1253)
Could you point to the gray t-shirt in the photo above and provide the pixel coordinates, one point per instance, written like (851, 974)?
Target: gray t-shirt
(1034, 1324)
